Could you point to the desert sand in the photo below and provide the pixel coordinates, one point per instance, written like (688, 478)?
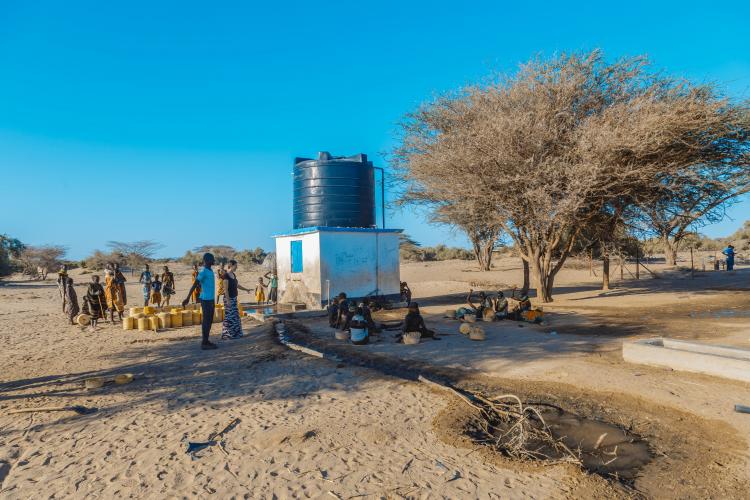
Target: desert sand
(312, 428)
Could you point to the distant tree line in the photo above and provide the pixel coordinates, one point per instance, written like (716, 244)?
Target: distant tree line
(34, 261)
(411, 251)
(573, 153)
(136, 254)
(225, 253)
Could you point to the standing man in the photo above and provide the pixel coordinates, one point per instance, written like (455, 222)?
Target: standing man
(205, 279)
(729, 252)
(273, 287)
(145, 280)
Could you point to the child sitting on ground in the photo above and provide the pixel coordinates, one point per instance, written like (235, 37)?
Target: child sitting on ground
(413, 322)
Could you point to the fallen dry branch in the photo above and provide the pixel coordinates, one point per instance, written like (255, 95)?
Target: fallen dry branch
(512, 428)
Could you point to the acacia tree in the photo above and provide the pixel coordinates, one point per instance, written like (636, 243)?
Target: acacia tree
(696, 197)
(38, 260)
(481, 228)
(136, 253)
(549, 148)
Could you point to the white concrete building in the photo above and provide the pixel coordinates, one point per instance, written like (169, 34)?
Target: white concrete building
(315, 261)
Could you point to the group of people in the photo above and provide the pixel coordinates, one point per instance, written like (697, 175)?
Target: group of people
(260, 287)
(204, 291)
(496, 308)
(347, 315)
(157, 289)
(98, 300)
(356, 318)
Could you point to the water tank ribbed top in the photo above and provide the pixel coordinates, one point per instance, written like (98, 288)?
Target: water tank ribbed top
(334, 191)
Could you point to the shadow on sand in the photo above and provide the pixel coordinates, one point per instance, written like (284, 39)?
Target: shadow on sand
(177, 374)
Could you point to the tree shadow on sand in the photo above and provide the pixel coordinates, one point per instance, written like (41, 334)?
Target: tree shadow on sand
(177, 374)
(678, 280)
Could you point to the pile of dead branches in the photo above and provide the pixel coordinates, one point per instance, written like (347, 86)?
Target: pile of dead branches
(515, 429)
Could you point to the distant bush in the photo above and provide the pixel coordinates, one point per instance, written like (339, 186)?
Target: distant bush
(223, 254)
(413, 253)
(251, 257)
(99, 260)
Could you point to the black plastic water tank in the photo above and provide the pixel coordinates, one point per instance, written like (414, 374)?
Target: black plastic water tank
(334, 191)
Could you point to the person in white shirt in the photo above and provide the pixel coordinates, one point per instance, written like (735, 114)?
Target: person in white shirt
(358, 327)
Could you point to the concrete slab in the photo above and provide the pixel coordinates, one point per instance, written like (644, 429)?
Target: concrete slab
(721, 361)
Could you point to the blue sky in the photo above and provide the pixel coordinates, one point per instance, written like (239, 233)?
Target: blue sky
(115, 118)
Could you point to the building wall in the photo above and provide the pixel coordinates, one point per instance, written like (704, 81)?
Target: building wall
(359, 263)
(301, 287)
(389, 269)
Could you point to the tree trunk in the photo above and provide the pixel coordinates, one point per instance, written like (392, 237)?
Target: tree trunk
(605, 271)
(543, 279)
(526, 284)
(483, 252)
(670, 250)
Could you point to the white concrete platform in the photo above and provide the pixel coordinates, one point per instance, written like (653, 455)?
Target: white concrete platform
(721, 361)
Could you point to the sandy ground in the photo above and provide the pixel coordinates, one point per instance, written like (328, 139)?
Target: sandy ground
(312, 428)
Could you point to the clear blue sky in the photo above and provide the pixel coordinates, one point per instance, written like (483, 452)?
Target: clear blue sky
(114, 116)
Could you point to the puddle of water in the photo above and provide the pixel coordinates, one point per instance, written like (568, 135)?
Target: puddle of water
(618, 454)
(722, 313)
(263, 310)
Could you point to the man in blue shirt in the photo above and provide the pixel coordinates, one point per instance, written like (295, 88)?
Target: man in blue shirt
(729, 252)
(207, 282)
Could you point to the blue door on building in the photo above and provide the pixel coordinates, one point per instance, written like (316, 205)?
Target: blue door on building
(296, 256)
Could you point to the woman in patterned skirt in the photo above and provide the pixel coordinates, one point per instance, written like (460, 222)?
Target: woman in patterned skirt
(70, 301)
(231, 328)
(94, 301)
(112, 294)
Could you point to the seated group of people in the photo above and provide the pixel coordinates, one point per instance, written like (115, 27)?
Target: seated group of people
(495, 308)
(344, 314)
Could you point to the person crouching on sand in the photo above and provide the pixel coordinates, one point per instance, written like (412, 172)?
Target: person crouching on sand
(206, 280)
(358, 332)
(413, 322)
